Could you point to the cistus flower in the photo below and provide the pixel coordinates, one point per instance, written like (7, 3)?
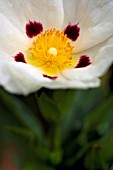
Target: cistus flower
(57, 44)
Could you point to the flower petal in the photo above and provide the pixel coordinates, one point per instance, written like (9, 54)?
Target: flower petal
(4, 56)
(14, 12)
(33, 29)
(101, 57)
(85, 74)
(48, 12)
(20, 78)
(52, 78)
(19, 57)
(76, 83)
(84, 61)
(11, 40)
(95, 20)
(72, 31)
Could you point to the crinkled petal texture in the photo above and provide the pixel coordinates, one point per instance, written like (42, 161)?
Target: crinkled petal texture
(95, 19)
(23, 79)
(96, 40)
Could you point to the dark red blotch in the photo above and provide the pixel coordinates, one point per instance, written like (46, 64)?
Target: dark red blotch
(84, 61)
(50, 77)
(33, 29)
(19, 58)
(72, 31)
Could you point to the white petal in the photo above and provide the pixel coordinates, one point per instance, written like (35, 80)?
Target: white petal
(11, 40)
(49, 12)
(101, 57)
(95, 18)
(80, 74)
(75, 78)
(14, 12)
(65, 83)
(4, 56)
(20, 78)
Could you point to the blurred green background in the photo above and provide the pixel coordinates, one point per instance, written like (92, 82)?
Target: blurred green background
(58, 129)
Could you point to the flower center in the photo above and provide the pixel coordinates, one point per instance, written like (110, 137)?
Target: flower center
(52, 52)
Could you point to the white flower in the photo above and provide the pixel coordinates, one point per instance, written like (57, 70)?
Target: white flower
(95, 20)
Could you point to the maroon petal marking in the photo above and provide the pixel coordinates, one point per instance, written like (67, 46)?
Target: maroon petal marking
(84, 61)
(50, 77)
(72, 31)
(33, 29)
(19, 58)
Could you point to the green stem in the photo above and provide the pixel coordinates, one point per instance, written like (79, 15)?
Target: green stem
(56, 136)
(55, 144)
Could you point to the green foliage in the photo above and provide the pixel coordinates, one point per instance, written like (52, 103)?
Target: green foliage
(53, 105)
(19, 109)
(67, 129)
(34, 166)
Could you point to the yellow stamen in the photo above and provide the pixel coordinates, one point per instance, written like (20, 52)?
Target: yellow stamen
(52, 52)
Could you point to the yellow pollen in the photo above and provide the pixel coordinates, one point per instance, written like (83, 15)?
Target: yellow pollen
(52, 52)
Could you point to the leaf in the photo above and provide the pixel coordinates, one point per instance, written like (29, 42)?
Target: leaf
(93, 160)
(79, 108)
(48, 108)
(64, 100)
(107, 146)
(55, 104)
(25, 134)
(99, 115)
(20, 110)
(39, 165)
